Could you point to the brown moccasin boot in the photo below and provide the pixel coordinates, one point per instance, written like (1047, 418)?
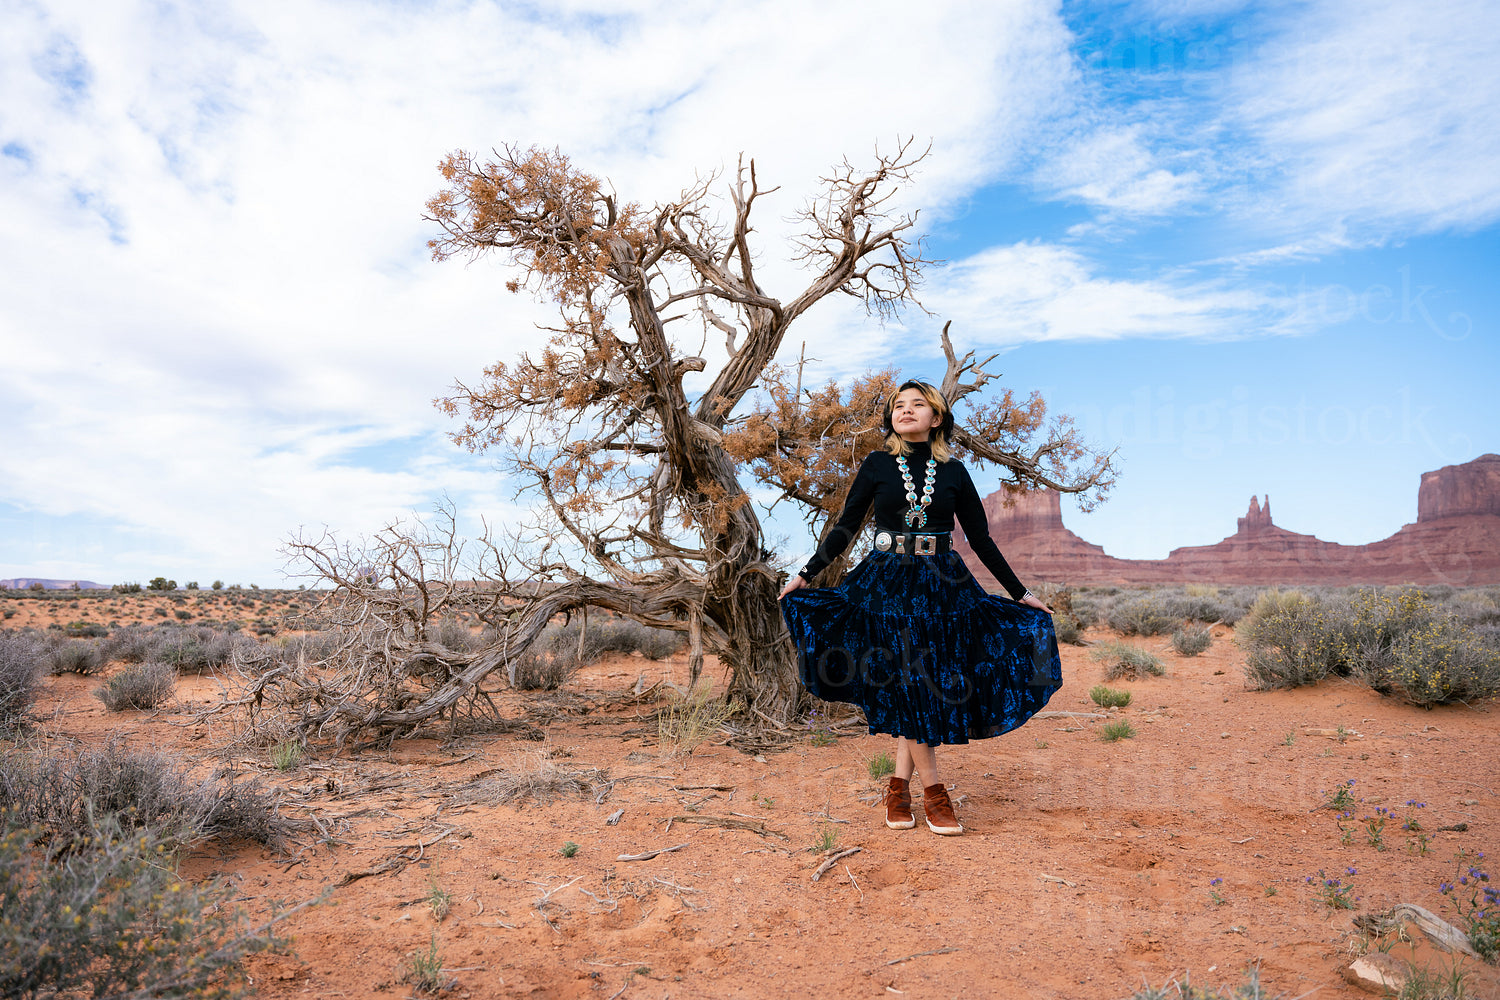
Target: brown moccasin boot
(898, 805)
(939, 810)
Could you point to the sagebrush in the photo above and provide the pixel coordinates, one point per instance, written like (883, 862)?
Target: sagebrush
(64, 794)
(111, 918)
(139, 685)
(20, 657)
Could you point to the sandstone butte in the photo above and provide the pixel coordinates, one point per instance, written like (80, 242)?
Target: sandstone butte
(1455, 540)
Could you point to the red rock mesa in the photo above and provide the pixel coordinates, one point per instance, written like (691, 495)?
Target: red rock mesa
(1455, 540)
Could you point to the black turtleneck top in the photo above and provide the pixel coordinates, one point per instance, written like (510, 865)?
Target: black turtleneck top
(878, 482)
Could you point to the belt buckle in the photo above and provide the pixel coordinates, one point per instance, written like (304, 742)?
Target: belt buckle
(926, 545)
(883, 541)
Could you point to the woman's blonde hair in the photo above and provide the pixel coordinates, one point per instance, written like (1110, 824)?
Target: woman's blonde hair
(941, 434)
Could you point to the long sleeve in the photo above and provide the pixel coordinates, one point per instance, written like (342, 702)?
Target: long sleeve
(969, 512)
(856, 505)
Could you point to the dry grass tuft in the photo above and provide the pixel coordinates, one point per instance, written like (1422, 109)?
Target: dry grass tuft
(689, 720)
(533, 777)
(1123, 659)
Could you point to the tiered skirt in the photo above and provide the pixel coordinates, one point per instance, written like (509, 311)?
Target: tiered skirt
(917, 643)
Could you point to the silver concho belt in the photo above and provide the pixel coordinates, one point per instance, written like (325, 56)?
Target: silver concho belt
(906, 542)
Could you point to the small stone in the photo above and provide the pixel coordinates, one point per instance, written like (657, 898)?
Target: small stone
(1224, 736)
(1468, 802)
(1377, 972)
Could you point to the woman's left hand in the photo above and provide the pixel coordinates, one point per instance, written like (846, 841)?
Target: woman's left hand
(1032, 601)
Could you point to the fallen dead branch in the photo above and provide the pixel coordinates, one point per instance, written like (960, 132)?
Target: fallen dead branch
(730, 823)
(1438, 931)
(702, 788)
(400, 861)
(389, 865)
(651, 854)
(832, 860)
(922, 954)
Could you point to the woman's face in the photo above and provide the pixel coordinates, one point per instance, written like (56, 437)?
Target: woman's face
(912, 416)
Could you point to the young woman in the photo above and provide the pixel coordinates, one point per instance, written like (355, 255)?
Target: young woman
(910, 636)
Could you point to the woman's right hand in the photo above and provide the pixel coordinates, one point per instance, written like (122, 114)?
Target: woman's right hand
(794, 583)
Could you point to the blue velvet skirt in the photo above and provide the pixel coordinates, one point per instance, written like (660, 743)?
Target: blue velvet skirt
(917, 643)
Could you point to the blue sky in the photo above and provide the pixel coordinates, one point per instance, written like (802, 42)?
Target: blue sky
(1250, 246)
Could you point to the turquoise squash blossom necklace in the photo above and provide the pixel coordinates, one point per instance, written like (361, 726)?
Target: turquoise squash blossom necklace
(917, 516)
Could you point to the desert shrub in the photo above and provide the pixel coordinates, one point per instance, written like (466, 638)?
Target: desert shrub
(130, 644)
(1443, 662)
(1108, 697)
(193, 650)
(557, 653)
(1148, 614)
(313, 647)
(1377, 620)
(126, 588)
(1120, 729)
(1194, 607)
(1235, 603)
(217, 585)
(140, 685)
(85, 630)
(1190, 640)
(626, 636)
(551, 660)
(1089, 607)
(110, 919)
(1123, 659)
(20, 666)
(161, 583)
(456, 636)
(72, 656)
(1475, 606)
(609, 635)
(538, 671)
(1066, 627)
(67, 795)
(38, 587)
(1291, 638)
(190, 585)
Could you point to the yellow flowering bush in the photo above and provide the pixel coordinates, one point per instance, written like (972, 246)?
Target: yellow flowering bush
(103, 916)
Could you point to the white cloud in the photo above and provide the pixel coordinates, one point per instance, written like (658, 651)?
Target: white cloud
(1386, 116)
(1042, 291)
(1110, 167)
(212, 262)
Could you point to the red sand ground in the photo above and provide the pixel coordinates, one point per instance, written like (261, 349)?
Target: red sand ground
(1085, 871)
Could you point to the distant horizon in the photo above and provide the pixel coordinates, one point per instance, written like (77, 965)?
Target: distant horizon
(1262, 499)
